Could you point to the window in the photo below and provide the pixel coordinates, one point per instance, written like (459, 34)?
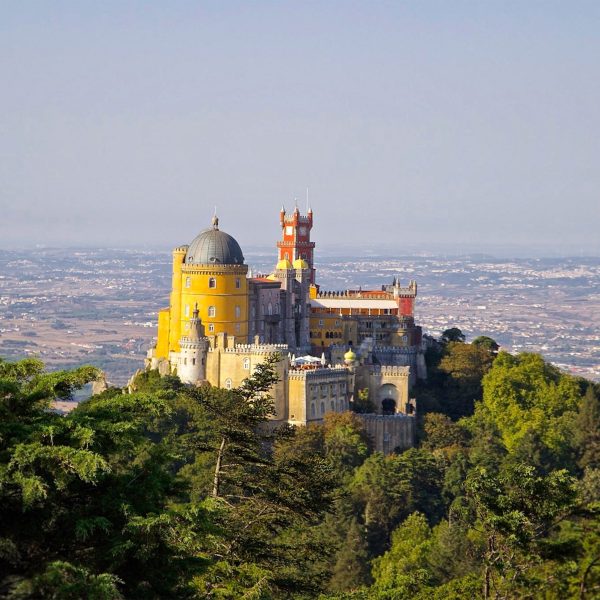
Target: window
(322, 408)
(312, 409)
(277, 308)
(238, 312)
(321, 322)
(228, 384)
(212, 311)
(333, 406)
(212, 282)
(194, 361)
(270, 309)
(185, 361)
(238, 283)
(188, 282)
(187, 310)
(211, 326)
(247, 364)
(237, 328)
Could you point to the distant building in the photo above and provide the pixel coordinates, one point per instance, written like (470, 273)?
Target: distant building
(221, 323)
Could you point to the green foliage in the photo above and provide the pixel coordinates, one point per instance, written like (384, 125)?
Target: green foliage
(362, 403)
(487, 343)
(523, 393)
(454, 334)
(181, 492)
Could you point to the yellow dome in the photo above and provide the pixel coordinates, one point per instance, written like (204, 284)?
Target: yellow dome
(272, 277)
(349, 357)
(284, 264)
(300, 263)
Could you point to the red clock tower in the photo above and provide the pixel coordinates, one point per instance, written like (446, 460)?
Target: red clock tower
(295, 242)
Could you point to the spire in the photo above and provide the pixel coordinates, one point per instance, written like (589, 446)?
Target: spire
(196, 327)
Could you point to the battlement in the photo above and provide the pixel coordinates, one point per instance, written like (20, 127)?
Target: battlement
(372, 417)
(392, 371)
(406, 350)
(262, 349)
(324, 373)
(189, 342)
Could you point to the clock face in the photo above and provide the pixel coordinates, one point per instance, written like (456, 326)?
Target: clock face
(302, 231)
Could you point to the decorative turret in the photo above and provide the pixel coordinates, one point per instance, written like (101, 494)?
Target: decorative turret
(191, 366)
(295, 243)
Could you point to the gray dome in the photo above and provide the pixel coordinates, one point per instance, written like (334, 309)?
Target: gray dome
(212, 246)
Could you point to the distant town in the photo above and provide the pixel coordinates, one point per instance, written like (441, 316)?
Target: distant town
(99, 306)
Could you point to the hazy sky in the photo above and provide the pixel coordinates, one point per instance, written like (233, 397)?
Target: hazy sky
(412, 123)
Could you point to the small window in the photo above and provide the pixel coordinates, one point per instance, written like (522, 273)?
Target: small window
(238, 283)
(212, 311)
(228, 384)
(188, 282)
(247, 364)
(322, 408)
(212, 282)
(321, 322)
(185, 361)
(193, 361)
(270, 309)
(187, 310)
(238, 312)
(333, 406)
(211, 326)
(312, 409)
(238, 328)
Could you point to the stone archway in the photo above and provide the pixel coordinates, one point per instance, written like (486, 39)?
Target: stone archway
(387, 398)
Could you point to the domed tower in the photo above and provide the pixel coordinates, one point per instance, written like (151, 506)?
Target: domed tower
(191, 365)
(209, 273)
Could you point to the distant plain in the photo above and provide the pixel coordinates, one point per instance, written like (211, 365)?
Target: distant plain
(99, 306)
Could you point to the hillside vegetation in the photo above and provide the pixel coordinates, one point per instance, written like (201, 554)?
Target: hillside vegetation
(180, 492)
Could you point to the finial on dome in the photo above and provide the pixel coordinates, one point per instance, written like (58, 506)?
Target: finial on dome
(215, 221)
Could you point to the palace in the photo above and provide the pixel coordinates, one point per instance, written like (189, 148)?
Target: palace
(222, 321)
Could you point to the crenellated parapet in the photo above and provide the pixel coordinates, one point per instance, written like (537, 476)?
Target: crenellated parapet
(324, 374)
(391, 370)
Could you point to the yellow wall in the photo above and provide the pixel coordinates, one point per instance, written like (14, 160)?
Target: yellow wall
(225, 297)
(331, 323)
(175, 307)
(162, 341)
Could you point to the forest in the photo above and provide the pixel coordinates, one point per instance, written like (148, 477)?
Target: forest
(174, 491)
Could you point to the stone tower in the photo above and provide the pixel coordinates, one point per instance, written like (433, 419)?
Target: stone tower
(191, 366)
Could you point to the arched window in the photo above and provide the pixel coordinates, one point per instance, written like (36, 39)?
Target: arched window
(312, 409)
(270, 309)
(238, 283)
(211, 326)
(188, 282)
(238, 312)
(187, 310)
(277, 308)
(333, 405)
(212, 282)
(247, 364)
(322, 408)
(212, 311)
(228, 384)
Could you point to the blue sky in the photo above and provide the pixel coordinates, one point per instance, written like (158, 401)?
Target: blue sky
(414, 124)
